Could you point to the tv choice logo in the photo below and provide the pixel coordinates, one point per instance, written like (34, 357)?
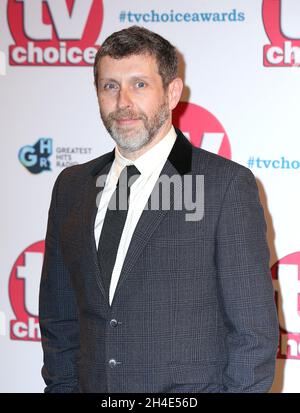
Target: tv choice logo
(24, 284)
(35, 158)
(54, 33)
(286, 281)
(281, 23)
(202, 128)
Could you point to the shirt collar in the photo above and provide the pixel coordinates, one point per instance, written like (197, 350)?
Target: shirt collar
(148, 162)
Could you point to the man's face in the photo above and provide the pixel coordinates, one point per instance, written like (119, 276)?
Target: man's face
(133, 103)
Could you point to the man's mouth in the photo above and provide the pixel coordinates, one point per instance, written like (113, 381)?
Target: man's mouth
(126, 121)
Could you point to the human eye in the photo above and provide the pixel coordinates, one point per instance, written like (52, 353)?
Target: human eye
(109, 86)
(140, 84)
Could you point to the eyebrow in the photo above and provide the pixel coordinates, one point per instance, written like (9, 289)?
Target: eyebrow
(135, 76)
(107, 79)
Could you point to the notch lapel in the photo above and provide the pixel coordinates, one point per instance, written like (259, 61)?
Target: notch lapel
(179, 161)
(91, 192)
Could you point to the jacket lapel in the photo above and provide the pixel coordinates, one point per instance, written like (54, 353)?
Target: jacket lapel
(178, 162)
(92, 194)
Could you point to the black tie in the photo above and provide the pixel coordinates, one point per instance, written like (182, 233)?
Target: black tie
(114, 222)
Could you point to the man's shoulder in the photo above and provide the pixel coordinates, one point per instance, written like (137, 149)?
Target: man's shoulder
(209, 162)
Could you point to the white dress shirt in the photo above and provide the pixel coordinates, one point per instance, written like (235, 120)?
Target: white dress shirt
(150, 165)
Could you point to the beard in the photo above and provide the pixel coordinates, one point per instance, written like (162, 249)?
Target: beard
(131, 138)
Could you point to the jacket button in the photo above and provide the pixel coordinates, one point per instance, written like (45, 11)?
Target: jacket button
(112, 363)
(113, 323)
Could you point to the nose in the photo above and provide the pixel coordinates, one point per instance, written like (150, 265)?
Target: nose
(124, 99)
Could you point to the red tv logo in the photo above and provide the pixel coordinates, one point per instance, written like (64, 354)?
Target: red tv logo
(24, 293)
(202, 128)
(281, 21)
(54, 32)
(286, 281)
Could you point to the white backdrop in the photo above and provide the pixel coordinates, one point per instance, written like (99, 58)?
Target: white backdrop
(240, 62)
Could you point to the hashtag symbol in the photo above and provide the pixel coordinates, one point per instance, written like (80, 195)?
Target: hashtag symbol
(251, 162)
(122, 16)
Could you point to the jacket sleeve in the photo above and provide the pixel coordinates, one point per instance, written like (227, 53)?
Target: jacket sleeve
(57, 310)
(245, 289)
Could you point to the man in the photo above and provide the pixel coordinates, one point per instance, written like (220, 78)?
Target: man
(142, 299)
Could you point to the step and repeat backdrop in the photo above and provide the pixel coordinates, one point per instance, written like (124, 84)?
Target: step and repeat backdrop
(240, 60)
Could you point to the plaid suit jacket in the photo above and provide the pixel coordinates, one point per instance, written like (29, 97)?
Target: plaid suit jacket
(194, 308)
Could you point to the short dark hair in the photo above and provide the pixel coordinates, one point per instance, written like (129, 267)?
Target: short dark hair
(137, 40)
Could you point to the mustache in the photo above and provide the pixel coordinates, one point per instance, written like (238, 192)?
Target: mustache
(126, 114)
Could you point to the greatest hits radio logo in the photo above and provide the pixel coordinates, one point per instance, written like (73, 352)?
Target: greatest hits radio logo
(54, 33)
(281, 22)
(35, 158)
(24, 293)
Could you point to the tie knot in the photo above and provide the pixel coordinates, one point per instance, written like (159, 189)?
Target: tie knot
(129, 175)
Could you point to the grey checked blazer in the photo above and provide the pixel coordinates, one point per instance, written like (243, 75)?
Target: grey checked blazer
(193, 310)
